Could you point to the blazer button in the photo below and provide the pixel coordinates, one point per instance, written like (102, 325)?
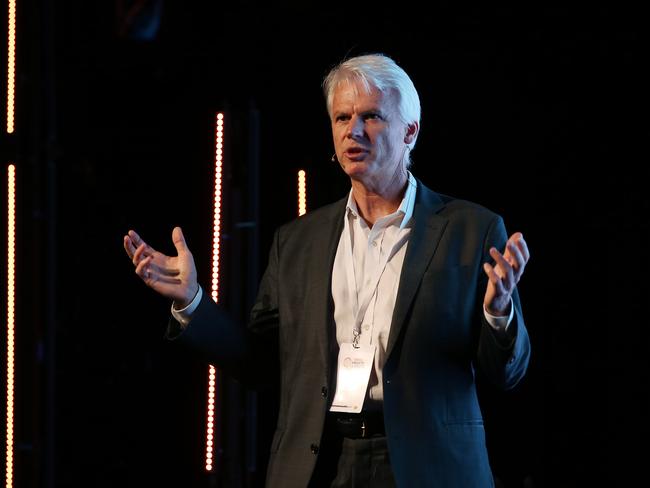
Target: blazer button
(323, 392)
(314, 449)
(512, 359)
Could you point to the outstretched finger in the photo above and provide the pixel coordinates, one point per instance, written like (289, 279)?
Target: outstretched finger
(140, 253)
(503, 269)
(135, 237)
(142, 269)
(129, 247)
(179, 240)
(516, 258)
(502, 264)
(523, 247)
(495, 279)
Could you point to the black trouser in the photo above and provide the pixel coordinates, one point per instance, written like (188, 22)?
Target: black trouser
(345, 462)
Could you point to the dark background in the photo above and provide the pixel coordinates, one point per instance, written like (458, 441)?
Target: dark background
(536, 112)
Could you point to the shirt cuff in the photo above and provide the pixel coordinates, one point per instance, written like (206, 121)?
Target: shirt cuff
(184, 315)
(499, 323)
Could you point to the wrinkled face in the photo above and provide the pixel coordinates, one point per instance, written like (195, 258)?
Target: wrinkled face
(369, 137)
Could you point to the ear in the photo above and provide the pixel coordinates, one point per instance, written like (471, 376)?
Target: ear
(411, 132)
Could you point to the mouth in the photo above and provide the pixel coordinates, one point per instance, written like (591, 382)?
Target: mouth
(355, 153)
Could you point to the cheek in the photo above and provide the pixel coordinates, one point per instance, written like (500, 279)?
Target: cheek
(394, 141)
(338, 134)
(383, 143)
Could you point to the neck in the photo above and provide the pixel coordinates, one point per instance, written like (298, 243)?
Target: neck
(377, 199)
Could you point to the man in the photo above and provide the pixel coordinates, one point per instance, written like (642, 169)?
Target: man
(373, 312)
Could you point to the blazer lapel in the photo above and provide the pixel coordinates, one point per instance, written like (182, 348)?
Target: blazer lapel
(325, 244)
(427, 230)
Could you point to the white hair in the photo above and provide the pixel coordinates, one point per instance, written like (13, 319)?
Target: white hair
(380, 72)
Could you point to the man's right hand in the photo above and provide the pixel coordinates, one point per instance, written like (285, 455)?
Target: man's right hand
(172, 276)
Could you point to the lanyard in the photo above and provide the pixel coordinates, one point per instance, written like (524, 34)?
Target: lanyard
(361, 299)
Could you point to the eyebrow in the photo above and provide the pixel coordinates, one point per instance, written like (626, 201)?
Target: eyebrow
(373, 111)
(365, 112)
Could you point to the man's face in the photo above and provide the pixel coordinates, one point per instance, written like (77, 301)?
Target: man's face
(369, 137)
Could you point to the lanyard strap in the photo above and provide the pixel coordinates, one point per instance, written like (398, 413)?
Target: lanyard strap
(361, 299)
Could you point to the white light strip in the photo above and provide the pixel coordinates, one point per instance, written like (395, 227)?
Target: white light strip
(11, 66)
(216, 229)
(11, 297)
(216, 235)
(302, 193)
(209, 431)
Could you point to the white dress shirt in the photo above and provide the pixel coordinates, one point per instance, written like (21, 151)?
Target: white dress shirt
(366, 274)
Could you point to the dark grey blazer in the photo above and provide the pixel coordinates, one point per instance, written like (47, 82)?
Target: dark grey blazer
(438, 337)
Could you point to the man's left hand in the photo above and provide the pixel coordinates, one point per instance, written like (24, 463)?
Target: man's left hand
(504, 275)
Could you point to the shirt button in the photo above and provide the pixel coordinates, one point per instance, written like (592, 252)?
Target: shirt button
(314, 449)
(512, 359)
(374, 243)
(366, 327)
(323, 392)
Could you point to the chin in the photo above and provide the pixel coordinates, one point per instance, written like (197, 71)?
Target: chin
(355, 168)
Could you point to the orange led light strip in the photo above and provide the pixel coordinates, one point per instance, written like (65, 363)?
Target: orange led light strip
(302, 192)
(11, 65)
(11, 296)
(216, 234)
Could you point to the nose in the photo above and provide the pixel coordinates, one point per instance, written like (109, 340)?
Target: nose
(356, 127)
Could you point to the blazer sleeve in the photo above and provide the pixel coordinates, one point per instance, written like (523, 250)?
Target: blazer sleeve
(503, 362)
(248, 353)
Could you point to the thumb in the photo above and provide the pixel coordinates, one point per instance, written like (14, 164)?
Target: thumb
(179, 240)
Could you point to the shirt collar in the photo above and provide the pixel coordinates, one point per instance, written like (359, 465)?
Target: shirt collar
(405, 208)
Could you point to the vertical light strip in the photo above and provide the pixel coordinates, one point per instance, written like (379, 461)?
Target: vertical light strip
(216, 235)
(11, 295)
(302, 193)
(11, 66)
(11, 246)
(216, 229)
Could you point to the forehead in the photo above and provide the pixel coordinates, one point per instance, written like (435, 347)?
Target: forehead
(350, 94)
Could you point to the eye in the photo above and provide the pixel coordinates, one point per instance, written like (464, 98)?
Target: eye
(372, 116)
(342, 118)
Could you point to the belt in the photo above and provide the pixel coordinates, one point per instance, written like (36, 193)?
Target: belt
(358, 425)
